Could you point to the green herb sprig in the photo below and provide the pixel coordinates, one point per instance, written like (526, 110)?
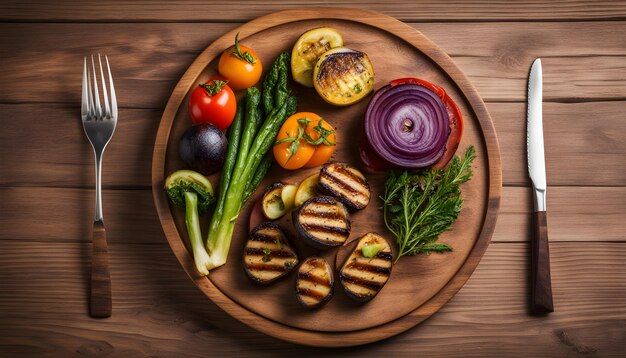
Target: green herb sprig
(417, 207)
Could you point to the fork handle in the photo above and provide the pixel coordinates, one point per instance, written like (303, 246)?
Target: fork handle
(100, 305)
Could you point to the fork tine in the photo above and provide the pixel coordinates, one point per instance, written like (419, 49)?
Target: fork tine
(113, 98)
(84, 108)
(105, 95)
(98, 108)
(92, 112)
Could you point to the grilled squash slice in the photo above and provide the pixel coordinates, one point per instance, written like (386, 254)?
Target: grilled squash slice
(314, 282)
(346, 183)
(343, 76)
(308, 49)
(267, 255)
(362, 277)
(322, 222)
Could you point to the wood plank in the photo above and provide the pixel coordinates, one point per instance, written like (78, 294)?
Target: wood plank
(597, 140)
(575, 214)
(148, 59)
(46, 314)
(73, 10)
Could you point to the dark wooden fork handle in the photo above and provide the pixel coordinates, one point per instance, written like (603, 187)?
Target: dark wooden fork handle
(541, 286)
(100, 303)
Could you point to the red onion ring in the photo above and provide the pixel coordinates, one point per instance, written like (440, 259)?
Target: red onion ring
(407, 125)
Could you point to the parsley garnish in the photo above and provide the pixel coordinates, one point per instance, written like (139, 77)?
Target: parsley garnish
(417, 207)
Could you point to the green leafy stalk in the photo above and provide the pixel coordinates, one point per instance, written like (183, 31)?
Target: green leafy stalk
(418, 207)
(254, 143)
(258, 176)
(234, 137)
(192, 220)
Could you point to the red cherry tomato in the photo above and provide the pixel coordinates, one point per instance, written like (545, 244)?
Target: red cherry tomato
(213, 102)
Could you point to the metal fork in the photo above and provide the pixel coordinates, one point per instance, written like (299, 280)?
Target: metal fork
(99, 126)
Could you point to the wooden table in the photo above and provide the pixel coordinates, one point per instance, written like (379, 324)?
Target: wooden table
(46, 180)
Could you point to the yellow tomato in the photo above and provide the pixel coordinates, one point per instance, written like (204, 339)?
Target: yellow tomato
(323, 151)
(291, 150)
(241, 66)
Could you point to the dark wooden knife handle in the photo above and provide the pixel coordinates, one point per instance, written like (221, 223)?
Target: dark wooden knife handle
(100, 302)
(541, 286)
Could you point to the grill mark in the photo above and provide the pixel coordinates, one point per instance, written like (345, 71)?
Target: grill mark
(359, 282)
(383, 255)
(306, 276)
(251, 251)
(336, 181)
(369, 268)
(326, 229)
(311, 293)
(265, 238)
(349, 173)
(266, 267)
(308, 213)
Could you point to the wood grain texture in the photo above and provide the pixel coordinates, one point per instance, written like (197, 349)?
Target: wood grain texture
(540, 281)
(158, 312)
(44, 250)
(597, 136)
(100, 289)
(148, 59)
(397, 309)
(424, 10)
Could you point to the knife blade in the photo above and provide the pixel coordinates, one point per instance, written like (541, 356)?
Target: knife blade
(541, 285)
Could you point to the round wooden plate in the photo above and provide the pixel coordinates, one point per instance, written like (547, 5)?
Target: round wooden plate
(419, 285)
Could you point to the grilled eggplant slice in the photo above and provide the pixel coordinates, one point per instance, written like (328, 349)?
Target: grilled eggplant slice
(343, 76)
(308, 49)
(346, 183)
(267, 255)
(322, 222)
(362, 277)
(314, 282)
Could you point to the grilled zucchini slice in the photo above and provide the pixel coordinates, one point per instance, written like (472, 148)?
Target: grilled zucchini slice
(343, 76)
(322, 222)
(278, 200)
(314, 282)
(363, 277)
(346, 183)
(307, 189)
(267, 255)
(308, 49)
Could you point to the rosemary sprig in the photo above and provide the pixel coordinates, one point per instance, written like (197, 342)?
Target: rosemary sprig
(417, 207)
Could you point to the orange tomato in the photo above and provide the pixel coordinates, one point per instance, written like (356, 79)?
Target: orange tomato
(290, 155)
(241, 73)
(323, 152)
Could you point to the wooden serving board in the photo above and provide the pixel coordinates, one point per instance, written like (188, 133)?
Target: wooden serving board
(419, 285)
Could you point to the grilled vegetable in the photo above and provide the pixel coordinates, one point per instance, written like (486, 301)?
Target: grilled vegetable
(308, 49)
(306, 189)
(314, 282)
(278, 200)
(322, 222)
(367, 269)
(343, 76)
(346, 183)
(267, 255)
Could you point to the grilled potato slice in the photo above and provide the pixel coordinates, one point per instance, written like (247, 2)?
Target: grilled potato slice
(322, 222)
(306, 189)
(267, 255)
(346, 183)
(308, 49)
(314, 282)
(278, 200)
(343, 76)
(363, 277)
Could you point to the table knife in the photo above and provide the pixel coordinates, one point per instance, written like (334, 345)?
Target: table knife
(541, 286)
